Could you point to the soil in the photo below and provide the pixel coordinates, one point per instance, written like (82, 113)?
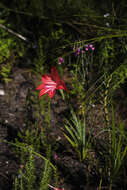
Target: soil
(13, 115)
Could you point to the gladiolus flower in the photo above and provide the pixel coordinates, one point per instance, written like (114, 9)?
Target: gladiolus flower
(50, 83)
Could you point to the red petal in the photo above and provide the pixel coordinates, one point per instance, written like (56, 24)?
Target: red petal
(62, 86)
(54, 74)
(44, 91)
(46, 78)
(40, 87)
(51, 93)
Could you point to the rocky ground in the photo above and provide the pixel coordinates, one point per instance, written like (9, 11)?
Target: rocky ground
(13, 114)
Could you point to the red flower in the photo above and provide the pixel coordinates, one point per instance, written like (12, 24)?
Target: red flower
(50, 83)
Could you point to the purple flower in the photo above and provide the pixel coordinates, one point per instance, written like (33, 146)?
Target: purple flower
(60, 60)
(77, 51)
(55, 157)
(89, 47)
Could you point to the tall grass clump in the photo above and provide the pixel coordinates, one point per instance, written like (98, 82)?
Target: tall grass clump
(117, 148)
(75, 133)
(113, 153)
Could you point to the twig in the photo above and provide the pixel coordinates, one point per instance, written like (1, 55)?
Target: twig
(12, 32)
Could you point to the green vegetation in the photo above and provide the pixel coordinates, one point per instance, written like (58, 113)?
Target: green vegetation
(92, 39)
(77, 136)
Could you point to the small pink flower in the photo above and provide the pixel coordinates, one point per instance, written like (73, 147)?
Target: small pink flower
(58, 138)
(78, 51)
(60, 60)
(55, 157)
(89, 47)
(50, 83)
